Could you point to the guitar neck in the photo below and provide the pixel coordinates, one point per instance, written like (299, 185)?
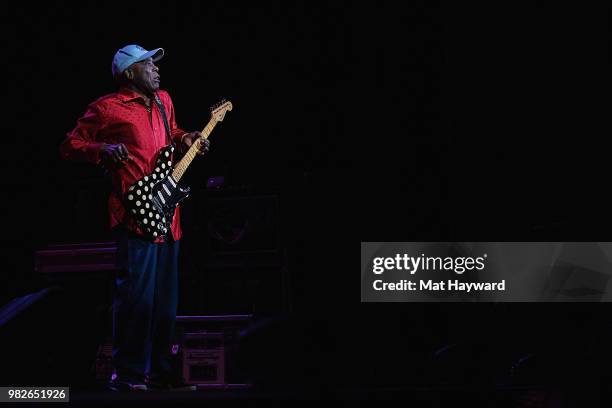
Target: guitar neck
(184, 163)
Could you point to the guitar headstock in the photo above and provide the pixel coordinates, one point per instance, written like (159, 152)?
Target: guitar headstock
(218, 111)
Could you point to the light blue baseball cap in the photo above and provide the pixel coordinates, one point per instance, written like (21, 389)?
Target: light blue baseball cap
(130, 54)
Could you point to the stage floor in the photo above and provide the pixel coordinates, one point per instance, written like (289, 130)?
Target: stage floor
(408, 396)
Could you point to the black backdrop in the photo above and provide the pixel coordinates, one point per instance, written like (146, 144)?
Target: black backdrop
(372, 122)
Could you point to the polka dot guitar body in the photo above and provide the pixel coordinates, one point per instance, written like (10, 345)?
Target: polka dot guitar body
(153, 199)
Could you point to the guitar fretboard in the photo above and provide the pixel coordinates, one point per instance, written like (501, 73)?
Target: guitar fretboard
(184, 163)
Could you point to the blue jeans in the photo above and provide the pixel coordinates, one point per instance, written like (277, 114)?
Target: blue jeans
(144, 306)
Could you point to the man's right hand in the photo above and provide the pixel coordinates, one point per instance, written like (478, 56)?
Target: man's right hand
(114, 154)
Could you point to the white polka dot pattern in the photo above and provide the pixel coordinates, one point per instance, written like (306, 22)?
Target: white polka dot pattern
(153, 199)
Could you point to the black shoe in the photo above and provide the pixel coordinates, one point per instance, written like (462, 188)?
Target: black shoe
(126, 386)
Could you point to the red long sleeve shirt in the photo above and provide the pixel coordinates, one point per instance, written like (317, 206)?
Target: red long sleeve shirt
(123, 117)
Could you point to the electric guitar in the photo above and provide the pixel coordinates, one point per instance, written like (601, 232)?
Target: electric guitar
(153, 198)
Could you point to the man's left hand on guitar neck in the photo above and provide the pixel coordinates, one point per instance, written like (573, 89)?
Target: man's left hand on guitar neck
(189, 138)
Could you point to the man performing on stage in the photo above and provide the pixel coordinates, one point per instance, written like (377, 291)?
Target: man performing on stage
(125, 131)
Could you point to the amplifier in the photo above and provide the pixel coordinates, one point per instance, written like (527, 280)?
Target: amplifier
(104, 361)
(234, 225)
(203, 358)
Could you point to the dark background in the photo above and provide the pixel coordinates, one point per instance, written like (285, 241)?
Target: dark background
(370, 123)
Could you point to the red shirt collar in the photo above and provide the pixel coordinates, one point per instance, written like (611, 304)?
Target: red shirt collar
(127, 95)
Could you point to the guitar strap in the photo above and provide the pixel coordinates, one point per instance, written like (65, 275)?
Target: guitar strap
(162, 110)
